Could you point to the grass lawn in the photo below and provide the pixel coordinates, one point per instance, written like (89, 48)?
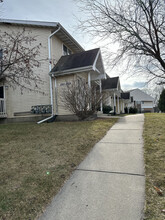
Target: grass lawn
(154, 137)
(36, 160)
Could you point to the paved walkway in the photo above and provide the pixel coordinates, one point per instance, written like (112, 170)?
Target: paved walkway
(109, 183)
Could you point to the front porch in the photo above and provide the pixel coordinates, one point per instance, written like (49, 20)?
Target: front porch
(114, 100)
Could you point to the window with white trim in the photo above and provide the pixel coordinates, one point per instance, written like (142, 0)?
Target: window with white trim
(66, 50)
(1, 92)
(1, 59)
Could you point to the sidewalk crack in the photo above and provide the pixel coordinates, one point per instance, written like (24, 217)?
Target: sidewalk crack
(117, 143)
(111, 172)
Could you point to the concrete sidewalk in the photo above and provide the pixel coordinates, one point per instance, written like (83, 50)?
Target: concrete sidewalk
(109, 184)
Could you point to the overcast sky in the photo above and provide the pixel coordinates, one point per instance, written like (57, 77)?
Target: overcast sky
(62, 11)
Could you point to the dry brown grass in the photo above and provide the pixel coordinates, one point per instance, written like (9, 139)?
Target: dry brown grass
(154, 137)
(37, 159)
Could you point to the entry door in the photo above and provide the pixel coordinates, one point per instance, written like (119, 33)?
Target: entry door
(1, 92)
(2, 101)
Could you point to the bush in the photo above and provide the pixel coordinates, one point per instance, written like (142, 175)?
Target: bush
(133, 110)
(161, 103)
(106, 109)
(80, 98)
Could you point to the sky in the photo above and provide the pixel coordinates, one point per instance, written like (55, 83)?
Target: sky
(66, 13)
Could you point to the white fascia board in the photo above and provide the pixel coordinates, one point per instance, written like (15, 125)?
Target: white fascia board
(103, 64)
(97, 71)
(94, 64)
(114, 90)
(42, 24)
(32, 23)
(70, 37)
(75, 70)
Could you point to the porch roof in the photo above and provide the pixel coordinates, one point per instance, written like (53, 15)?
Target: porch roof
(125, 95)
(110, 83)
(78, 62)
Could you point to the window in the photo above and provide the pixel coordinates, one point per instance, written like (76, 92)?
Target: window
(1, 62)
(1, 54)
(66, 51)
(1, 92)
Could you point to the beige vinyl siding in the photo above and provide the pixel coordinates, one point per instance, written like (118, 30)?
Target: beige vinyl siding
(61, 86)
(22, 102)
(82, 75)
(147, 104)
(56, 49)
(17, 102)
(61, 81)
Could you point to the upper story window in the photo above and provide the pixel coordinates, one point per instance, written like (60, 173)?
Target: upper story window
(66, 51)
(1, 59)
(1, 92)
(1, 54)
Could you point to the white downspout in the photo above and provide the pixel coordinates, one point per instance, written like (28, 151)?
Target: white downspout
(50, 67)
(56, 101)
(101, 103)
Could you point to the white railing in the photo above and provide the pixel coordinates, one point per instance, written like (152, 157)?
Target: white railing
(2, 108)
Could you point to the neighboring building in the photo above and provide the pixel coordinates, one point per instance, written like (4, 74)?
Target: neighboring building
(127, 99)
(142, 101)
(63, 60)
(114, 95)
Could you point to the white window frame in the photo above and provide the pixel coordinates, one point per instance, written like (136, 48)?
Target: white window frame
(69, 52)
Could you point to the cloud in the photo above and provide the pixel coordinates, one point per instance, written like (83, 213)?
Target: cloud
(133, 85)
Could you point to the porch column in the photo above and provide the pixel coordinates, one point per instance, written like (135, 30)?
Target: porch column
(89, 80)
(110, 103)
(121, 105)
(114, 103)
(56, 101)
(89, 84)
(118, 107)
(101, 102)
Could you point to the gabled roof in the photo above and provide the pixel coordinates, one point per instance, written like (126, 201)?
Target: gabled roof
(62, 33)
(79, 61)
(139, 95)
(110, 83)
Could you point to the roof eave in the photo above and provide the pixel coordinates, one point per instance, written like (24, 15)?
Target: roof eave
(44, 24)
(70, 37)
(75, 70)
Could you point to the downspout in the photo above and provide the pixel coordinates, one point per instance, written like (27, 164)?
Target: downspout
(50, 68)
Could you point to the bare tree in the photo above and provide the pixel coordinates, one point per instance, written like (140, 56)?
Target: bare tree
(81, 99)
(19, 56)
(137, 25)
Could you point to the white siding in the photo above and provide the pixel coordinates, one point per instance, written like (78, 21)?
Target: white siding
(147, 105)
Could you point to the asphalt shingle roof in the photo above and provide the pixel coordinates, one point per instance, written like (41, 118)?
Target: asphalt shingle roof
(77, 60)
(125, 95)
(110, 83)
